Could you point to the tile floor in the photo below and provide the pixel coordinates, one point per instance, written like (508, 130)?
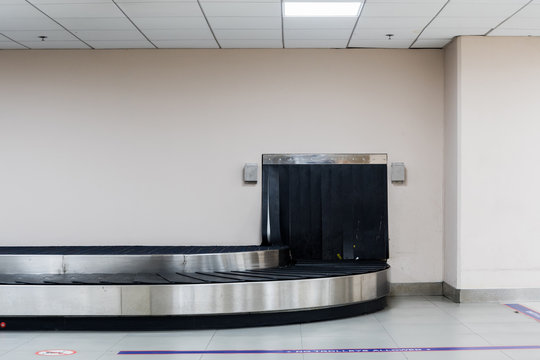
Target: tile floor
(412, 321)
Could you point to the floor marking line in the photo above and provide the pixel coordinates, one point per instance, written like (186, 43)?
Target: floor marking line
(326, 351)
(525, 311)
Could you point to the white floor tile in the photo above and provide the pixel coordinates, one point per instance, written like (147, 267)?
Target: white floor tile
(458, 355)
(406, 322)
(506, 328)
(254, 357)
(262, 342)
(405, 302)
(114, 356)
(171, 341)
(79, 341)
(512, 339)
(30, 354)
(11, 341)
(283, 331)
(357, 356)
(376, 339)
(523, 354)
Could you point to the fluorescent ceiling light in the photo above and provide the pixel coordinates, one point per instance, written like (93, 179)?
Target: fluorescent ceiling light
(321, 9)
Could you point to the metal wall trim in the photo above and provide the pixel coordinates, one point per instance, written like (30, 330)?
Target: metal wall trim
(314, 159)
(193, 299)
(111, 264)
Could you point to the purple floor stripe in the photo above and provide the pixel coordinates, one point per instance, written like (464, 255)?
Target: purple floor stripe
(525, 310)
(325, 351)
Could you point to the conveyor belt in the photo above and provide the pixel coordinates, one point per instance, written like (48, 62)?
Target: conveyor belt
(130, 250)
(295, 272)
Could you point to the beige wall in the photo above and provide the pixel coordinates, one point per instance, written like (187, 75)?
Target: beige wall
(500, 196)
(147, 146)
(452, 127)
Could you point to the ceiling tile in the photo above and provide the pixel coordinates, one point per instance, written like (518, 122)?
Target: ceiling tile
(97, 10)
(13, 2)
(393, 22)
(42, 2)
(248, 1)
(231, 44)
(19, 11)
(241, 9)
(126, 44)
(55, 44)
(380, 43)
(149, 1)
(432, 43)
(225, 34)
(521, 23)
(171, 23)
(532, 10)
(333, 44)
(112, 35)
(10, 45)
(443, 33)
(239, 22)
(310, 34)
(319, 23)
(157, 9)
(440, 2)
(33, 35)
(189, 44)
(522, 2)
(96, 23)
(381, 34)
(183, 34)
(515, 32)
(42, 23)
(461, 21)
(400, 9)
(481, 9)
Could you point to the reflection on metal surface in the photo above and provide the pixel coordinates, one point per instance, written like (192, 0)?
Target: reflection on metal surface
(193, 299)
(86, 264)
(304, 159)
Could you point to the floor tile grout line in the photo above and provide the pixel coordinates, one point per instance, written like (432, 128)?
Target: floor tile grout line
(390, 335)
(208, 343)
(23, 343)
(302, 341)
(113, 345)
(465, 325)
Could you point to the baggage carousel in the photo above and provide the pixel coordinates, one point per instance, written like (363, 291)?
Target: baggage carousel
(324, 230)
(97, 288)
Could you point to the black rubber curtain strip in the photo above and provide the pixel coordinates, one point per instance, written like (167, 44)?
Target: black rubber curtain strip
(326, 211)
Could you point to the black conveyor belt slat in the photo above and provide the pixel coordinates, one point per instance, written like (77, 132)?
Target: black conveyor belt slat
(309, 275)
(264, 276)
(116, 278)
(8, 279)
(242, 277)
(207, 278)
(149, 279)
(277, 273)
(180, 278)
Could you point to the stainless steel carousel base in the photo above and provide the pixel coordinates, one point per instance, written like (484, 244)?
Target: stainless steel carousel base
(191, 299)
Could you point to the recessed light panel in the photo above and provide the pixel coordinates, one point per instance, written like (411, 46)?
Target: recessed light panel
(321, 9)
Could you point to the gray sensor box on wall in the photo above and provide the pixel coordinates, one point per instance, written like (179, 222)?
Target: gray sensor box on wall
(250, 172)
(397, 173)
